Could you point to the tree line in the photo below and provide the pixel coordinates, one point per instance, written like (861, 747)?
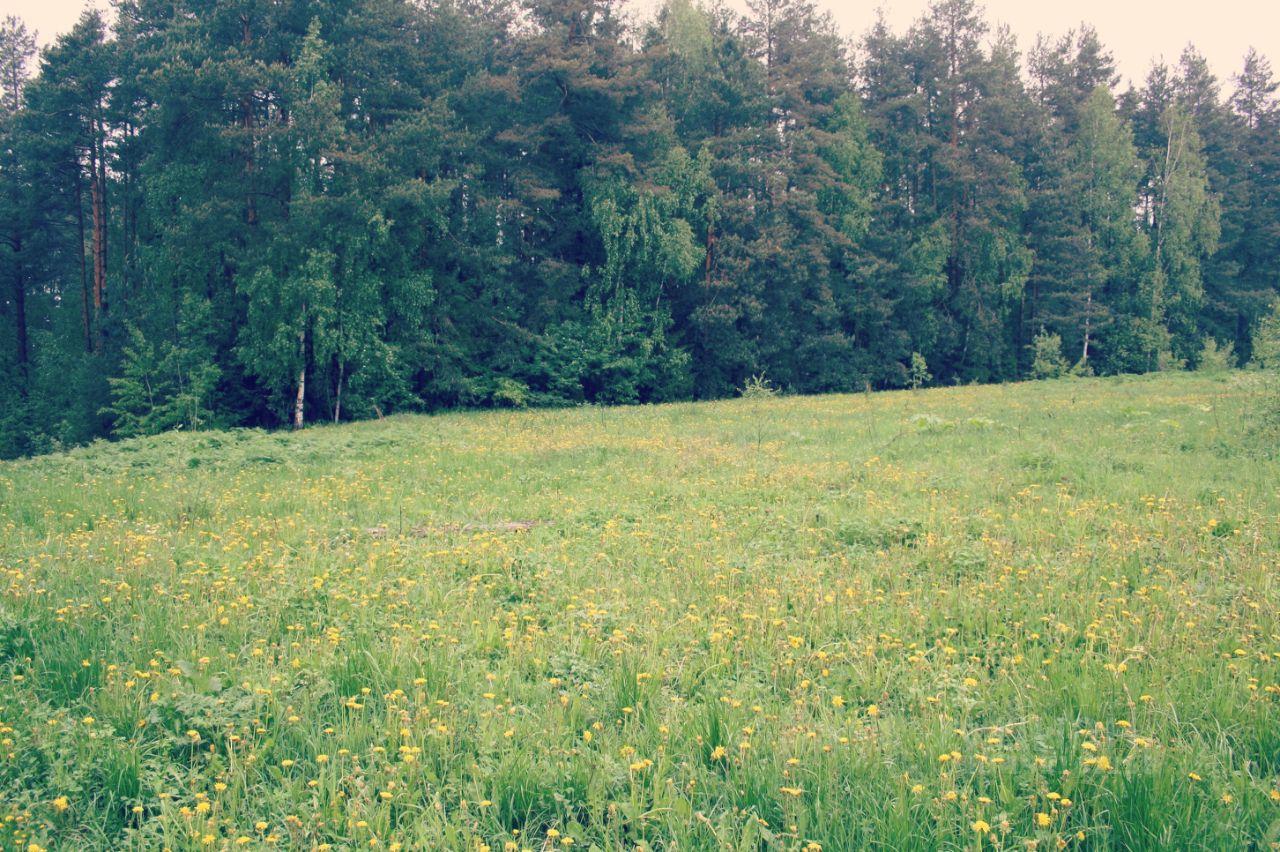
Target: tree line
(240, 212)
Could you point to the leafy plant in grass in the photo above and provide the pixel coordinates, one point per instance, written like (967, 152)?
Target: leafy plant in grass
(918, 374)
(1262, 415)
(758, 390)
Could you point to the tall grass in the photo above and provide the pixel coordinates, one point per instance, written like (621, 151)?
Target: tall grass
(1043, 615)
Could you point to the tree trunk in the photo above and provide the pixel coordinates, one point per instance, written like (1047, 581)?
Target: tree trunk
(97, 194)
(22, 347)
(337, 403)
(1171, 158)
(246, 124)
(84, 265)
(18, 285)
(711, 247)
(300, 400)
(1088, 310)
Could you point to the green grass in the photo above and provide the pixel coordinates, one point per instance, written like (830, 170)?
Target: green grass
(1048, 610)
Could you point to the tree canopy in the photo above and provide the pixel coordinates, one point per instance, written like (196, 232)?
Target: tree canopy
(246, 213)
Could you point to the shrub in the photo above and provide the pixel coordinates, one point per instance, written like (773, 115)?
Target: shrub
(1215, 358)
(1047, 361)
(1266, 341)
(919, 373)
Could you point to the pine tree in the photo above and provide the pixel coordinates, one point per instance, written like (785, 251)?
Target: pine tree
(17, 47)
(1250, 243)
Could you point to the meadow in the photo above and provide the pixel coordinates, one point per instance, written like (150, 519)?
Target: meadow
(1033, 616)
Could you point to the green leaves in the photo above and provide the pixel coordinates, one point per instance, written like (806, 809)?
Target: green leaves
(375, 207)
(166, 382)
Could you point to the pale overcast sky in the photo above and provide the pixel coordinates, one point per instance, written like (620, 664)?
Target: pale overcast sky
(1136, 31)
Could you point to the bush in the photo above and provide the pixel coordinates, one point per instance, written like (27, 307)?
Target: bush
(1047, 361)
(1215, 358)
(1266, 341)
(509, 393)
(758, 387)
(162, 389)
(919, 373)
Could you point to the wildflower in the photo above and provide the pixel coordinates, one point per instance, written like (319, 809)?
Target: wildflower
(981, 827)
(60, 804)
(1043, 820)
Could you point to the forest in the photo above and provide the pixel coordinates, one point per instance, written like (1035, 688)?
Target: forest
(247, 213)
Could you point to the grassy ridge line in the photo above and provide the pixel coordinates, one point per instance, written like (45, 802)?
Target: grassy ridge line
(978, 616)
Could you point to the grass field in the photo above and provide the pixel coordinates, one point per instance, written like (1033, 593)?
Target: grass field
(1043, 615)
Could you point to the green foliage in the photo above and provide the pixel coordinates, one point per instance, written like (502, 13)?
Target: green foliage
(1216, 358)
(167, 389)
(1263, 420)
(1184, 233)
(918, 375)
(758, 387)
(290, 313)
(1266, 341)
(264, 213)
(510, 393)
(1047, 361)
(620, 356)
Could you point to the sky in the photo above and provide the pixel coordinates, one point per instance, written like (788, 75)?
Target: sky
(1136, 31)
